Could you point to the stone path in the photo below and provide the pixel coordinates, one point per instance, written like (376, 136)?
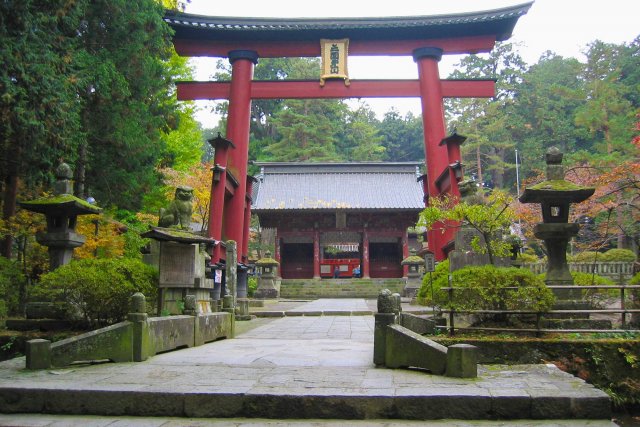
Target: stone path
(295, 367)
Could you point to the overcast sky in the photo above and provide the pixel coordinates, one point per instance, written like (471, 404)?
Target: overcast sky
(563, 26)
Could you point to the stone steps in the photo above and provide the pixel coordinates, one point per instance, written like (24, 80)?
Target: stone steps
(317, 392)
(338, 288)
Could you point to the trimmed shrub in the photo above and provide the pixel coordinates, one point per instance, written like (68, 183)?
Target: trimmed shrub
(485, 288)
(618, 255)
(528, 258)
(586, 256)
(11, 280)
(98, 291)
(597, 297)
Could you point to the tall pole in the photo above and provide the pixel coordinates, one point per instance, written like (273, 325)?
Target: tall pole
(517, 175)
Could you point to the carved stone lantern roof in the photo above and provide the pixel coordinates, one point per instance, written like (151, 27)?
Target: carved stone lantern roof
(413, 259)
(267, 260)
(63, 202)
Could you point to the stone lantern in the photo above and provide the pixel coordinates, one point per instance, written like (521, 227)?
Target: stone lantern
(268, 284)
(61, 211)
(414, 278)
(555, 196)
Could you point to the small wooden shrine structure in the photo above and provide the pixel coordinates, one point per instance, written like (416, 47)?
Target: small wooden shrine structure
(352, 217)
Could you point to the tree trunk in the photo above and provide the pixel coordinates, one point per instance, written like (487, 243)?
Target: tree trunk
(9, 207)
(79, 173)
(479, 162)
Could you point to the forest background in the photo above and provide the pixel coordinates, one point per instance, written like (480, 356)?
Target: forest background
(92, 83)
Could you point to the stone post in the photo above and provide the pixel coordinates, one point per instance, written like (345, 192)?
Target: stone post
(231, 273)
(386, 315)
(462, 361)
(38, 354)
(141, 340)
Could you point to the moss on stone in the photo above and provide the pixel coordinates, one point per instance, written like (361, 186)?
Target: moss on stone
(266, 261)
(558, 185)
(413, 259)
(63, 200)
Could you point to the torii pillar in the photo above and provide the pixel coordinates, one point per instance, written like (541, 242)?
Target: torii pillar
(238, 121)
(431, 94)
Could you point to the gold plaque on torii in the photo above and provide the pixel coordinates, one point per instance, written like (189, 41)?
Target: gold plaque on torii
(334, 55)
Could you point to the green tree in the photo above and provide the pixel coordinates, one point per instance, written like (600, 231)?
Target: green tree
(359, 139)
(38, 107)
(548, 99)
(491, 125)
(490, 218)
(402, 137)
(125, 98)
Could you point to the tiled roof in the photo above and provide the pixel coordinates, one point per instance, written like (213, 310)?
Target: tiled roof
(329, 186)
(497, 21)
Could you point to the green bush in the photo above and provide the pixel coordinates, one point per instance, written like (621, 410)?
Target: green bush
(437, 280)
(597, 297)
(612, 255)
(586, 256)
(99, 290)
(618, 255)
(483, 288)
(528, 258)
(11, 280)
(252, 285)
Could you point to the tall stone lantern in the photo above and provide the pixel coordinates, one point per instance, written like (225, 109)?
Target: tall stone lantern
(268, 284)
(61, 211)
(414, 277)
(555, 196)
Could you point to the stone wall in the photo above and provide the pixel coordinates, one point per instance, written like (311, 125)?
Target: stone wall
(347, 288)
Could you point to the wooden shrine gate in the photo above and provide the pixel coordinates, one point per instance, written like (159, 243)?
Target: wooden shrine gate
(244, 40)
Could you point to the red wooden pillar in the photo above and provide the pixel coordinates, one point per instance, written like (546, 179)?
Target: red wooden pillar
(365, 254)
(404, 241)
(276, 252)
(218, 185)
(247, 219)
(316, 254)
(427, 59)
(242, 62)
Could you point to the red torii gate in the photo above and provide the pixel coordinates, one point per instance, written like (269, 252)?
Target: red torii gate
(244, 40)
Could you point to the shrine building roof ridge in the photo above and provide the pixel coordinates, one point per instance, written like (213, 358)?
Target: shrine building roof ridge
(330, 186)
(496, 21)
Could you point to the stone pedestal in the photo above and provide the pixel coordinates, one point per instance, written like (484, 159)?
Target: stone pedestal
(556, 238)
(182, 262)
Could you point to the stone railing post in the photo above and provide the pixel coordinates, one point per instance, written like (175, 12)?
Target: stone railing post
(388, 309)
(140, 340)
(38, 354)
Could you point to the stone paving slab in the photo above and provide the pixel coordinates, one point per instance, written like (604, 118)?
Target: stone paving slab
(37, 420)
